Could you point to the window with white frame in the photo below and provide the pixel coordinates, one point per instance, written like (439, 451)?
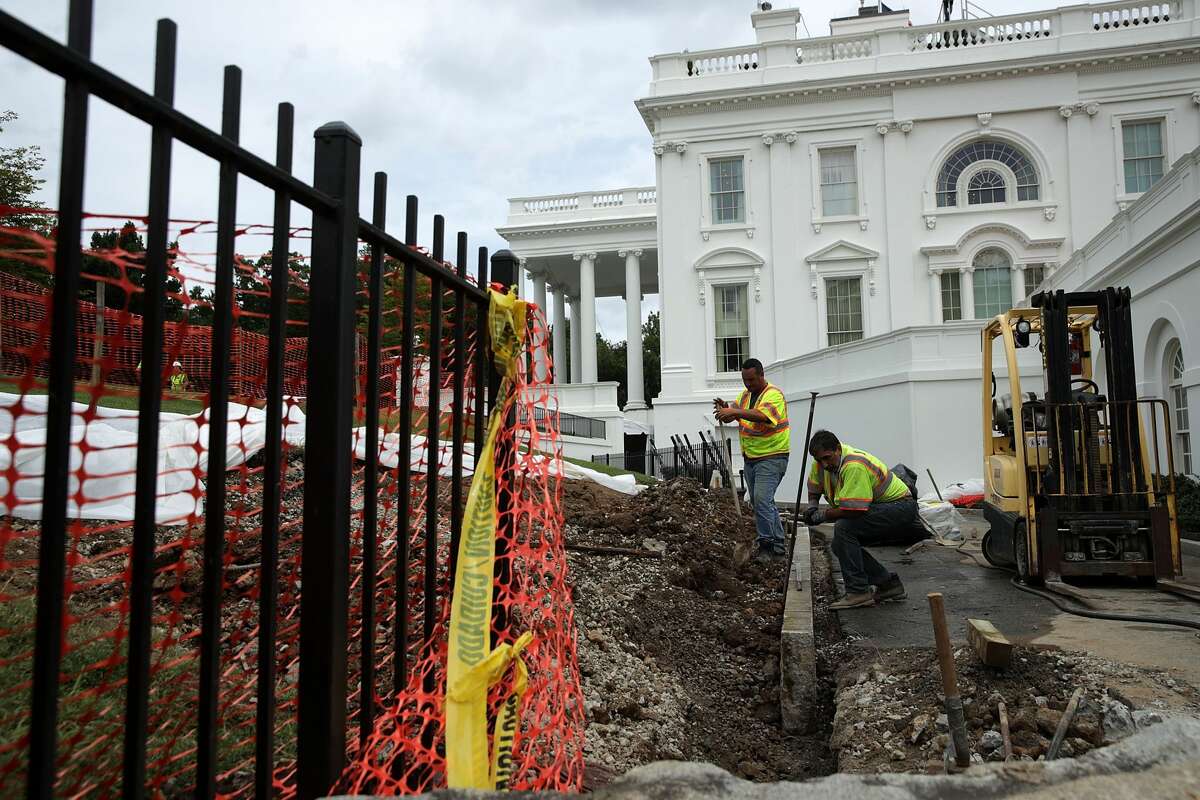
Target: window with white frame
(727, 190)
(951, 296)
(1177, 393)
(732, 326)
(1144, 154)
(1027, 185)
(839, 182)
(985, 186)
(843, 305)
(993, 283)
(1034, 275)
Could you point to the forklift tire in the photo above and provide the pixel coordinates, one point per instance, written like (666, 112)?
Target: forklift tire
(986, 544)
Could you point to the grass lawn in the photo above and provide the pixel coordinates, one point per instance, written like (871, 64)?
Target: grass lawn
(607, 470)
(176, 405)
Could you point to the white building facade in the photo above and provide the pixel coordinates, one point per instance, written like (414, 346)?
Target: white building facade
(847, 208)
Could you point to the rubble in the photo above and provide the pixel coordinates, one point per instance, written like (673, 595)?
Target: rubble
(878, 691)
(680, 655)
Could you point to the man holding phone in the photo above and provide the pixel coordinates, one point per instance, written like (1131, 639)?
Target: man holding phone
(761, 415)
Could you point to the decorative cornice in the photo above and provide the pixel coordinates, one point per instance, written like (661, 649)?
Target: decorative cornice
(681, 147)
(1053, 243)
(791, 137)
(768, 139)
(577, 227)
(590, 256)
(1067, 111)
(905, 126)
(626, 252)
(984, 119)
(882, 84)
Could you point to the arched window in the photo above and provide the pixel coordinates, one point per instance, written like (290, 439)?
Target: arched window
(1022, 168)
(1177, 393)
(986, 186)
(993, 283)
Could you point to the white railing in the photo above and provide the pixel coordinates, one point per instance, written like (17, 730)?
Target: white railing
(817, 51)
(1062, 30)
(545, 205)
(1116, 18)
(979, 32)
(722, 61)
(636, 199)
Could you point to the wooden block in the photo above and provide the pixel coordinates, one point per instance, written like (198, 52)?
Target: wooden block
(992, 647)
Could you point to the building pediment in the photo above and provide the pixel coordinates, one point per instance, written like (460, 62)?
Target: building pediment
(729, 257)
(993, 231)
(842, 250)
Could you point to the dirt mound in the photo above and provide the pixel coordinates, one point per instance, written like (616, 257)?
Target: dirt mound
(680, 654)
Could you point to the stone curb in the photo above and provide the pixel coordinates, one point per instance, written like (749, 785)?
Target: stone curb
(797, 642)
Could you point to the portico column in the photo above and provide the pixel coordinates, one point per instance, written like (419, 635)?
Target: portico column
(587, 315)
(635, 378)
(935, 296)
(560, 335)
(966, 288)
(576, 349)
(541, 366)
(1018, 284)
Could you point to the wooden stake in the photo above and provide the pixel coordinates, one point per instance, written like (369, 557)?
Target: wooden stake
(1004, 732)
(1064, 725)
(954, 709)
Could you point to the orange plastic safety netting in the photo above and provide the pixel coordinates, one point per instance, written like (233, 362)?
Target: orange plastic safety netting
(401, 751)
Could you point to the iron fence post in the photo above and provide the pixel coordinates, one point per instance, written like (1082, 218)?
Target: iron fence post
(504, 272)
(324, 566)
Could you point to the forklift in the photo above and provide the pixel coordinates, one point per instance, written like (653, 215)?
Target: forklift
(1079, 482)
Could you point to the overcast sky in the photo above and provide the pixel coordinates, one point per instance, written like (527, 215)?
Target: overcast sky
(463, 103)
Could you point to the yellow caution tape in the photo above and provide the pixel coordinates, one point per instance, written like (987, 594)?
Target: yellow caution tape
(472, 668)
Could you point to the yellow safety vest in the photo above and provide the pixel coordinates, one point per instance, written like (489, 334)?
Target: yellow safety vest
(861, 479)
(762, 439)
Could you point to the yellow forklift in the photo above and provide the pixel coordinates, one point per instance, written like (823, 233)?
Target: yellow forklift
(1079, 482)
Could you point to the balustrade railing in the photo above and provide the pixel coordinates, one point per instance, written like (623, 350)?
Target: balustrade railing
(1071, 27)
(586, 201)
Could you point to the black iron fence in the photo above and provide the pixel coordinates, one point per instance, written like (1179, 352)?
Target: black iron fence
(337, 232)
(570, 424)
(681, 459)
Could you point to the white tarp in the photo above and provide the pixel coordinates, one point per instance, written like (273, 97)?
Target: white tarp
(105, 447)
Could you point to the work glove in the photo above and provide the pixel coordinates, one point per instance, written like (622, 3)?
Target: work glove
(813, 516)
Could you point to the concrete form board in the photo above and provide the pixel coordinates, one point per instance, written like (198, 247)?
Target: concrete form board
(797, 646)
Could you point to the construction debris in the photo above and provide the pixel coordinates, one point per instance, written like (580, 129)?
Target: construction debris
(680, 655)
(893, 700)
(992, 646)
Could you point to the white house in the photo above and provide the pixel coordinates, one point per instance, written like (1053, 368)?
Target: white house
(847, 208)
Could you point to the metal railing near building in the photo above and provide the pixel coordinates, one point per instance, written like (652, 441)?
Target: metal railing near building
(337, 231)
(570, 424)
(682, 459)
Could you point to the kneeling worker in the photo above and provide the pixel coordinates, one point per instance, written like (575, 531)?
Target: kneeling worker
(868, 502)
(762, 418)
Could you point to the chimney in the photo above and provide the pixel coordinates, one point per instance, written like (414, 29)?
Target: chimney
(871, 17)
(774, 26)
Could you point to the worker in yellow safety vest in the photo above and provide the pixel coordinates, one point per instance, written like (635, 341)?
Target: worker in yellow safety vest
(762, 419)
(869, 504)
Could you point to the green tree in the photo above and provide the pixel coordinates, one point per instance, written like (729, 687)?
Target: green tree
(652, 357)
(20, 169)
(611, 366)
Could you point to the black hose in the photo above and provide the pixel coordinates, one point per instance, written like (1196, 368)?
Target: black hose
(1081, 612)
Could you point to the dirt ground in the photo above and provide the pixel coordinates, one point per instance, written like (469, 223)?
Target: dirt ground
(680, 654)
(890, 714)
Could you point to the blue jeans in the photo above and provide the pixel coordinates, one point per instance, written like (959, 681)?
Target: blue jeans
(762, 479)
(860, 570)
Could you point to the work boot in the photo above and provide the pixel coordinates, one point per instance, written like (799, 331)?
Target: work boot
(891, 589)
(856, 600)
(767, 553)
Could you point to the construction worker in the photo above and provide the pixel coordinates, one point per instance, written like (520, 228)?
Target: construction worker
(177, 380)
(762, 418)
(868, 504)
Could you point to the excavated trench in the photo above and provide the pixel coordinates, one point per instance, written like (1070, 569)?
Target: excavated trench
(679, 645)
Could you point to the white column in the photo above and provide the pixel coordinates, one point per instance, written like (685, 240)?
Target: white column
(576, 350)
(1018, 284)
(560, 335)
(935, 296)
(635, 397)
(587, 315)
(966, 289)
(541, 365)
